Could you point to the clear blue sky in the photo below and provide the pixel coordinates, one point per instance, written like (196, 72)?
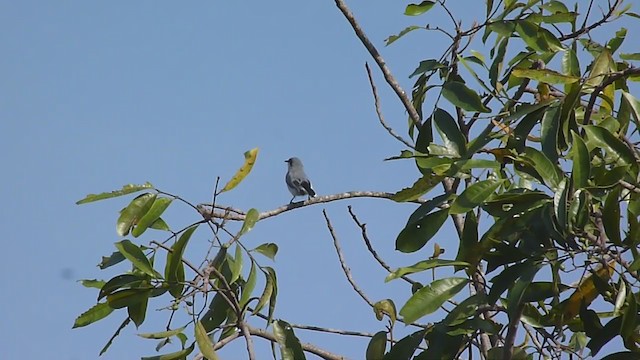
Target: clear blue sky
(95, 95)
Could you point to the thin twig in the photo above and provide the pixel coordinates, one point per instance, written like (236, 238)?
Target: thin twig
(379, 112)
(205, 209)
(610, 79)
(305, 346)
(343, 263)
(388, 76)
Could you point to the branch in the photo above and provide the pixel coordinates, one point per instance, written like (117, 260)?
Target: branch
(305, 346)
(388, 76)
(247, 336)
(379, 112)
(343, 263)
(586, 29)
(610, 79)
(205, 209)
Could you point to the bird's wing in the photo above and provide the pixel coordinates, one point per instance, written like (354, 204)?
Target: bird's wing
(306, 184)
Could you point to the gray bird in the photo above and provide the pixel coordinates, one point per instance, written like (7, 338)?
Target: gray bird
(297, 181)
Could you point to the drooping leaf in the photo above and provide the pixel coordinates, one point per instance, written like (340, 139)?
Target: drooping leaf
(204, 343)
(290, 347)
(248, 287)
(585, 293)
(385, 307)
(266, 293)
(253, 215)
(174, 270)
(581, 162)
(545, 75)
(415, 235)
(134, 254)
(550, 172)
(249, 159)
(127, 189)
(178, 355)
(419, 188)
(157, 209)
(405, 348)
(615, 147)
(463, 97)
(473, 196)
(449, 131)
(429, 299)
(611, 216)
(426, 66)
(162, 334)
(235, 264)
(422, 266)
(97, 312)
(134, 212)
(377, 346)
(138, 311)
(267, 249)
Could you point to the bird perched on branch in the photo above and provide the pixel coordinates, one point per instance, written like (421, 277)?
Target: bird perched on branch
(296, 179)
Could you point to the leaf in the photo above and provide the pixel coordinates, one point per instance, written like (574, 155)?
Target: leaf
(585, 293)
(377, 346)
(124, 298)
(247, 288)
(216, 314)
(426, 66)
(108, 344)
(600, 68)
(97, 312)
(422, 266)
(182, 354)
(473, 196)
(416, 235)
(127, 189)
(250, 220)
(419, 188)
(581, 162)
(136, 209)
(249, 159)
(385, 307)
(449, 132)
(138, 311)
(545, 75)
(405, 348)
(616, 41)
(630, 57)
(418, 9)
(468, 242)
(532, 35)
(606, 140)
(204, 343)
(391, 39)
(266, 293)
(611, 216)
(429, 299)
(290, 347)
(162, 334)
(629, 323)
(461, 96)
(550, 173)
(157, 209)
(267, 249)
(92, 283)
(570, 63)
(174, 270)
(133, 253)
(107, 261)
(515, 299)
(119, 282)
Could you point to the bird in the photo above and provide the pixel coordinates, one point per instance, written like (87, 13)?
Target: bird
(296, 179)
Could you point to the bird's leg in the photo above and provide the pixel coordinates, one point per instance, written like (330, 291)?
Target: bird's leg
(291, 202)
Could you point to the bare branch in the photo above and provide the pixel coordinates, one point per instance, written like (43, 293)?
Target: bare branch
(388, 76)
(610, 79)
(343, 263)
(305, 346)
(247, 336)
(379, 112)
(205, 209)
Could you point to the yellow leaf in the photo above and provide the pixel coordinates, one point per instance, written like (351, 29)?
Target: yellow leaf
(585, 293)
(249, 159)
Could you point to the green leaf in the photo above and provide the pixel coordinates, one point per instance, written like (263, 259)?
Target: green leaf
(290, 347)
(107, 261)
(429, 299)
(391, 39)
(249, 159)
(468, 242)
(550, 173)
(419, 188)
(415, 235)
(97, 312)
(385, 307)
(581, 170)
(405, 348)
(159, 224)
(92, 283)
(422, 266)
(630, 57)
(157, 209)
(377, 346)
(178, 355)
(545, 76)
(127, 189)
(120, 282)
(616, 41)
(204, 343)
(134, 254)
(536, 37)
(162, 334)
(174, 270)
(267, 249)
(235, 264)
(516, 294)
(138, 311)
(461, 96)
(570, 63)
(426, 66)
(134, 212)
(216, 314)
(600, 68)
(266, 293)
(614, 146)
(124, 298)
(449, 132)
(611, 216)
(253, 215)
(247, 288)
(418, 9)
(634, 105)
(629, 323)
(473, 196)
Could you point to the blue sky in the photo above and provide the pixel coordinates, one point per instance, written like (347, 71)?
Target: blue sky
(96, 95)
